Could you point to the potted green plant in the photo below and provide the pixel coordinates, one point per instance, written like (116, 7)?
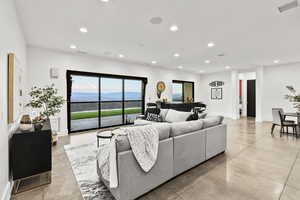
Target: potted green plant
(293, 97)
(47, 101)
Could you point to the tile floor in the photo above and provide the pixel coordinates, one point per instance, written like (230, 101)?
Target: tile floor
(255, 166)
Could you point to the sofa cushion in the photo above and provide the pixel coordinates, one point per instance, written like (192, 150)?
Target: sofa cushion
(163, 113)
(180, 128)
(122, 141)
(142, 122)
(177, 116)
(212, 121)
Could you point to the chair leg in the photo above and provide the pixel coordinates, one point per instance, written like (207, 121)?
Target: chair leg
(272, 129)
(281, 130)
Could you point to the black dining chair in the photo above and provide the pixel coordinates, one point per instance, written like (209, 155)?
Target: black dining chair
(279, 120)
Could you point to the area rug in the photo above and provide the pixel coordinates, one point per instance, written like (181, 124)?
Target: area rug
(83, 161)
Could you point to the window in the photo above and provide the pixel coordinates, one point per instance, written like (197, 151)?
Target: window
(182, 91)
(101, 100)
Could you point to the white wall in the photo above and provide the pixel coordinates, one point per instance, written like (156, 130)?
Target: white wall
(230, 93)
(275, 80)
(11, 41)
(41, 60)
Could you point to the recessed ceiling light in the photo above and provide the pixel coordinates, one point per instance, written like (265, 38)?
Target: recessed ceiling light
(227, 67)
(276, 61)
(180, 67)
(72, 46)
(174, 28)
(83, 30)
(201, 71)
(105, 1)
(121, 56)
(176, 55)
(207, 61)
(154, 62)
(211, 44)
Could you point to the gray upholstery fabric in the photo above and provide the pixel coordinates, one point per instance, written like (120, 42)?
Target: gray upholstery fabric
(276, 115)
(163, 131)
(189, 151)
(163, 113)
(134, 182)
(177, 116)
(140, 122)
(215, 140)
(175, 156)
(212, 121)
(180, 128)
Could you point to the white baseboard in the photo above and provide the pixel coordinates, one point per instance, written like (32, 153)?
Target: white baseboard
(7, 191)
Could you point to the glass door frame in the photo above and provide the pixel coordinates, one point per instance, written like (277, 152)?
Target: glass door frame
(182, 83)
(69, 74)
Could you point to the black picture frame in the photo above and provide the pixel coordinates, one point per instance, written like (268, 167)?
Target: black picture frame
(216, 93)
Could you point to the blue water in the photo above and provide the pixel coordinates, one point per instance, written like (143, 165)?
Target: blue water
(114, 96)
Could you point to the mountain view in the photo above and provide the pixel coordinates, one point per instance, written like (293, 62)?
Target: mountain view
(112, 96)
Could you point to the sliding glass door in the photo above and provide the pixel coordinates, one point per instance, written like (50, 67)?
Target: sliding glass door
(84, 102)
(111, 101)
(101, 100)
(133, 100)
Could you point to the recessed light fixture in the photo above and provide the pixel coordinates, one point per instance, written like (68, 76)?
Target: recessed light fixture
(207, 61)
(174, 28)
(176, 55)
(227, 67)
(121, 56)
(201, 71)
(105, 1)
(83, 30)
(154, 62)
(211, 44)
(73, 46)
(276, 61)
(180, 67)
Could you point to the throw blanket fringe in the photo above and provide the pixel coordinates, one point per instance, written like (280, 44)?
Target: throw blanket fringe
(144, 143)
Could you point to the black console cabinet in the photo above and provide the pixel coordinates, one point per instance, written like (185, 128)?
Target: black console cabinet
(30, 152)
(186, 107)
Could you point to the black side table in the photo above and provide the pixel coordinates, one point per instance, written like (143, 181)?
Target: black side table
(104, 135)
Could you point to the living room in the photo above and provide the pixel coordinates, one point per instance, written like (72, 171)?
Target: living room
(153, 49)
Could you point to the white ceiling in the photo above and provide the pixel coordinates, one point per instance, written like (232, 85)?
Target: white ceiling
(248, 32)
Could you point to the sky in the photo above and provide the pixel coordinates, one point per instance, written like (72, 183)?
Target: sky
(87, 84)
(177, 88)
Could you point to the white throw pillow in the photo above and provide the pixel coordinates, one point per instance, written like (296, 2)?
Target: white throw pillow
(177, 116)
(163, 113)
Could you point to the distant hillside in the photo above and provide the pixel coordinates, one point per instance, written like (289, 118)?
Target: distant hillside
(113, 96)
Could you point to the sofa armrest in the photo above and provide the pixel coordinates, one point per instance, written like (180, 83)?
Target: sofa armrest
(141, 117)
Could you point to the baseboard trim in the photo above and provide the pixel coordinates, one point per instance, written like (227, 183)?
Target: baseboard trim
(7, 191)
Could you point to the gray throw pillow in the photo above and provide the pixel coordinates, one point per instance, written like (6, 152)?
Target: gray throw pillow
(177, 116)
(163, 113)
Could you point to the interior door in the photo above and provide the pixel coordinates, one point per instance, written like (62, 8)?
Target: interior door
(251, 98)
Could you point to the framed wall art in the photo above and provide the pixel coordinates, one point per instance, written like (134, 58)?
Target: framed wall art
(216, 93)
(15, 89)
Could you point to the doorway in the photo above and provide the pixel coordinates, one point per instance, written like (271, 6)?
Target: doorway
(251, 98)
(247, 94)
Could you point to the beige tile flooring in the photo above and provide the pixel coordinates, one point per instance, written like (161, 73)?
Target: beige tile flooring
(255, 166)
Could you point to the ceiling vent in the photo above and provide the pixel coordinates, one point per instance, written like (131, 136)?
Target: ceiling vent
(288, 6)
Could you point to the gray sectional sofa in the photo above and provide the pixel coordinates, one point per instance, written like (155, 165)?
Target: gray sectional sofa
(182, 145)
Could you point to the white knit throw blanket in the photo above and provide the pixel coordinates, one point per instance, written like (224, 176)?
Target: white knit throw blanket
(144, 142)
